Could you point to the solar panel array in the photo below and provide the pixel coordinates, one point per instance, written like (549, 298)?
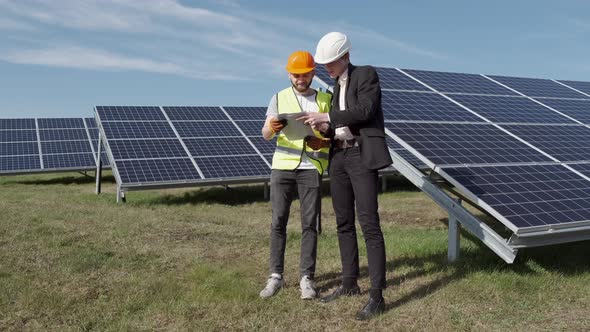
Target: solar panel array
(520, 147)
(170, 145)
(48, 144)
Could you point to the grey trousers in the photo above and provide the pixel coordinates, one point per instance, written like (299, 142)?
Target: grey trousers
(283, 186)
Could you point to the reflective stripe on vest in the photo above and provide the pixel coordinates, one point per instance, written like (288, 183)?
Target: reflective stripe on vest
(288, 153)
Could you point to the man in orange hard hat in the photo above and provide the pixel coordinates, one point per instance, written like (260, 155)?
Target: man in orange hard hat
(297, 166)
(359, 151)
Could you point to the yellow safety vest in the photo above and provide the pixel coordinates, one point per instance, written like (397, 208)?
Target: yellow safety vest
(288, 153)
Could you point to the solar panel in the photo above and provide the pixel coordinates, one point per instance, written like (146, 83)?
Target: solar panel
(18, 136)
(264, 146)
(16, 149)
(190, 143)
(60, 144)
(583, 168)
(219, 147)
(580, 86)
(404, 153)
(536, 87)
(229, 167)
(322, 74)
(191, 113)
(9, 164)
(61, 123)
(245, 112)
(533, 196)
(207, 129)
(459, 83)
(147, 149)
(130, 113)
(63, 135)
(126, 130)
(156, 170)
(565, 143)
(66, 147)
(17, 124)
(251, 128)
(510, 109)
(66, 161)
(576, 108)
(418, 106)
(456, 143)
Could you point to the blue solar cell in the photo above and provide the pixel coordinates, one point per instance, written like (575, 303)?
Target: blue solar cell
(90, 122)
(245, 112)
(16, 149)
(580, 86)
(157, 170)
(251, 128)
(17, 124)
(122, 130)
(419, 106)
(577, 109)
(529, 196)
(219, 146)
(19, 163)
(64, 161)
(565, 143)
(268, 157)
(63, 135)
(65, 147)
(461, 83)
(232, 167)
(391, 78)
(404, 153)
(146, 149)
(537, 87)
(93, 133)
(60, 123)
(206, 129)
(123, 113)
(456, 143)
(510, 109)
(264, 146)
(188, 113)
(18, 136)
(583, 168)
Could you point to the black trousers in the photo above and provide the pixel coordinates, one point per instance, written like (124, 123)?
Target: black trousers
(352, 184)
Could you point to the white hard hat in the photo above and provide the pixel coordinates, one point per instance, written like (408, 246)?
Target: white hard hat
(331, 47)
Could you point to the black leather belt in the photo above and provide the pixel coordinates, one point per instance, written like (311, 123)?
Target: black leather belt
(349, 143)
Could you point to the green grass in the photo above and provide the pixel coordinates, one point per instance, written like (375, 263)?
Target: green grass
(195, 259)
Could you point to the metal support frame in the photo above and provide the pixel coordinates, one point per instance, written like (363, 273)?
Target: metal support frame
(383, 183)
(457, 214)
(98, 165)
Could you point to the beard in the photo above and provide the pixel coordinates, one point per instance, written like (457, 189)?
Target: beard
(301, 88)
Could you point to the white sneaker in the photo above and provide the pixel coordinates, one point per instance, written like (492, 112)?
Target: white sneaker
(273, 284)
(307, 288)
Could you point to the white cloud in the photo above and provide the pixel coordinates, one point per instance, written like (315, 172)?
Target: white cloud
(96, 59)
(226, 44)
(8, 24)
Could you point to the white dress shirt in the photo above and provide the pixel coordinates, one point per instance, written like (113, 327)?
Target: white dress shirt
(343, 133)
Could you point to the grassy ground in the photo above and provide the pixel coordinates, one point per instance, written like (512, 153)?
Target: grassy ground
(196, 259)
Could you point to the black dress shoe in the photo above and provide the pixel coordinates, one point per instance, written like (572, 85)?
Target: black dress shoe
(341, 291)
(373, 308)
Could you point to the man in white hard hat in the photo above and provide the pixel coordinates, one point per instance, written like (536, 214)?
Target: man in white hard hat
(358, 152)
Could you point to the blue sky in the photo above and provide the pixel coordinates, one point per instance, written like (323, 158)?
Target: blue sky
(59, 58)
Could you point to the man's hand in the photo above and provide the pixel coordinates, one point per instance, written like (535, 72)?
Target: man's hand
(322, 127)
(314, 119)
(317, 143)
(276, 125)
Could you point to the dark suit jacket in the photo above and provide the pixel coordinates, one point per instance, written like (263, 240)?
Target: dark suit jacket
(363, 115)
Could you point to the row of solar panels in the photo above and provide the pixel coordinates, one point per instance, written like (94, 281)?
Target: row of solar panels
(152, 145)
(519, 147)
(48, 145)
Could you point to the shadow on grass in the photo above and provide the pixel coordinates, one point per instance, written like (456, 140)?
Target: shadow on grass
(65, 180)
(244, 194)
(568, 259)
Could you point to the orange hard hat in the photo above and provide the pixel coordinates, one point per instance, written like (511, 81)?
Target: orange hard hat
(300, 62)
